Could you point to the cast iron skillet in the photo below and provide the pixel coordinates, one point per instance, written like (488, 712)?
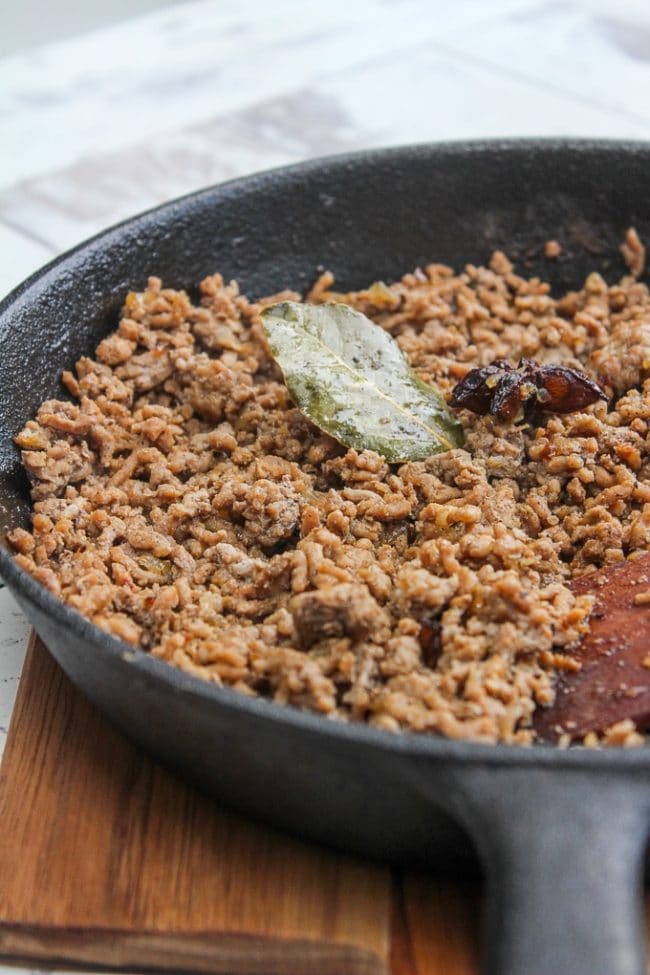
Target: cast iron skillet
(560, 834)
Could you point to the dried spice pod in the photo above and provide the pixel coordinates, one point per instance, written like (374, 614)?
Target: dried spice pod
(524, 392)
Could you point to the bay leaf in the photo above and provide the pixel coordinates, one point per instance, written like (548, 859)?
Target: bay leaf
(351, 379)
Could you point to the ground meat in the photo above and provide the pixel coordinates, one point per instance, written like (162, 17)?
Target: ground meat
(183, 503)
(552, 249)
(633, 253)
(345, 609)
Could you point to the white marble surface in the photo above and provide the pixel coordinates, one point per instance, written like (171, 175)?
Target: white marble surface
(99, 126)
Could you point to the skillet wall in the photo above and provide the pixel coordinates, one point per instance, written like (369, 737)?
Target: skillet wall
(367, 216)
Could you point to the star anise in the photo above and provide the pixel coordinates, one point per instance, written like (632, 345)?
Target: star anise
(525, 391)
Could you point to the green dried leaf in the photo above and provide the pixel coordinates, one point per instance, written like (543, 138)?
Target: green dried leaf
(351, 379)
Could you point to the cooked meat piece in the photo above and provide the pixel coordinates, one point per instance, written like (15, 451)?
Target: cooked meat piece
(344, 610)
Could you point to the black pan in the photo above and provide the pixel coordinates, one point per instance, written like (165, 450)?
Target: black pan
(560, 834)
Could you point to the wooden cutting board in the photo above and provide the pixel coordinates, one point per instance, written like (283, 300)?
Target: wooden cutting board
(107, 859)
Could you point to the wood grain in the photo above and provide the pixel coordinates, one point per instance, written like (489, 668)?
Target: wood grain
(106, 858)
(613, 682)
(435, 926)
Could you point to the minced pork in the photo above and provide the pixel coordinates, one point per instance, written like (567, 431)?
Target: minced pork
(182, 502)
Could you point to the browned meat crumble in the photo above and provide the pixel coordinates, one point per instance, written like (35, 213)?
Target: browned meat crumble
(182, 503)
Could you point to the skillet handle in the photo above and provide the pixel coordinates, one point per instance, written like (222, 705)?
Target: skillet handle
(563, 857)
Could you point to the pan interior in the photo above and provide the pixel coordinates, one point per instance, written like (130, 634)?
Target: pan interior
(365, 217)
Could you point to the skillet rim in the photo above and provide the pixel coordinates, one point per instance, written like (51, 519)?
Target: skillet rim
(460, 752)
